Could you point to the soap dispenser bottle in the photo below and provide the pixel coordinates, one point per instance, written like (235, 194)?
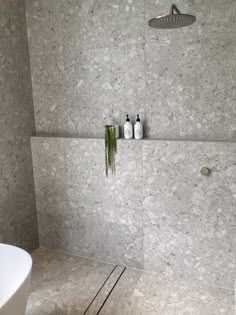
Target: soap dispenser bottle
(128, 129)
(138, 129)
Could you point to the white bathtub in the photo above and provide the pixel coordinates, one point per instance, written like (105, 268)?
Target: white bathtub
(15, 272)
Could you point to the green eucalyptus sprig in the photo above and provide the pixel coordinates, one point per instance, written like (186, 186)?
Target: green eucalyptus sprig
(110, 149)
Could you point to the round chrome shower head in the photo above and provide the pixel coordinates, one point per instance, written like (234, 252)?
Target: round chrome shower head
(172, 20)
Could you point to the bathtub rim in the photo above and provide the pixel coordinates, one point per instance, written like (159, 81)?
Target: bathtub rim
(24, 278)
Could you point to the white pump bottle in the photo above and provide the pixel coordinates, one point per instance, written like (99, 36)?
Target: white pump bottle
(128, 129)
(138, 129)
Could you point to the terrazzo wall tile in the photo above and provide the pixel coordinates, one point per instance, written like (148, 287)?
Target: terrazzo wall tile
(158, 213)
(188, 103)
(182, 84)
(190, 87)
(12, 19)
(189, 219)
(115, 199)
(93, 88)
(51, 190)
(17, 115)
(112, 242)
(12, 8)
(82, 212)
(109, 210)
(44, 26)
(49, 88)
(17, 201)
(102, 23)
(17, 209)
(100, 88)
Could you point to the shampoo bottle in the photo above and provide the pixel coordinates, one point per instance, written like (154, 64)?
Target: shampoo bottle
(138, 129)
(128, 129)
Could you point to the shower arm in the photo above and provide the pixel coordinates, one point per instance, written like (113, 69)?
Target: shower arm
(174, 8)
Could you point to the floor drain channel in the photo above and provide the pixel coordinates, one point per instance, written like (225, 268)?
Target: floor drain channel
(104, 292)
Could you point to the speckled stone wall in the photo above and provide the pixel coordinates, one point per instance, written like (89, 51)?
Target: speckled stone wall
(158, 213)
(94, 61)
(18, 224)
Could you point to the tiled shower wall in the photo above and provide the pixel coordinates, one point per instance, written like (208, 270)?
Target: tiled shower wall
(158, 213)
(18, 224)
(94, 61)
(91, 63)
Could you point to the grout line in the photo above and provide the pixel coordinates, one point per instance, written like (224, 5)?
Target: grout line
(99, 290)
(111, 291)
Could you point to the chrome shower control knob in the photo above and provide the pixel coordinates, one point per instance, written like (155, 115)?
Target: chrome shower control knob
(205, 171)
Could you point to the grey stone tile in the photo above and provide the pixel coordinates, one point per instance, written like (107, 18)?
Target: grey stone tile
(17, 211)
(38, 306)
(101, 89)
(128, 86)
(144, 293)
(126, 8)
(17, 116)
(47, 68)
(88, 121)
(189, 71)
(58, 226)
(13, 25)
(206, 193)
(115, 199)
(49, 161)
(11, 28)
(51, 110)
(189, 89)
(176, 166)
(51, 189)
(207, 258)
(64, 229)
(89, 73)
(102, 24)
(79, 8)
(78, 24)
(17, 203)
(12, 8)
(72, 214)
(89, 91)
(64, 284)
(44, 26)
(189, 220)
(113, 242)
(49, 92)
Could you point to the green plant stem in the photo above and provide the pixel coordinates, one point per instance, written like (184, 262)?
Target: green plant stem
(110, 149)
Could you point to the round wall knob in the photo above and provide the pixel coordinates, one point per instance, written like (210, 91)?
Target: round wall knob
(205, 171)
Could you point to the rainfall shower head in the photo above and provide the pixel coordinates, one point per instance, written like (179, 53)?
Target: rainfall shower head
(173, 20)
